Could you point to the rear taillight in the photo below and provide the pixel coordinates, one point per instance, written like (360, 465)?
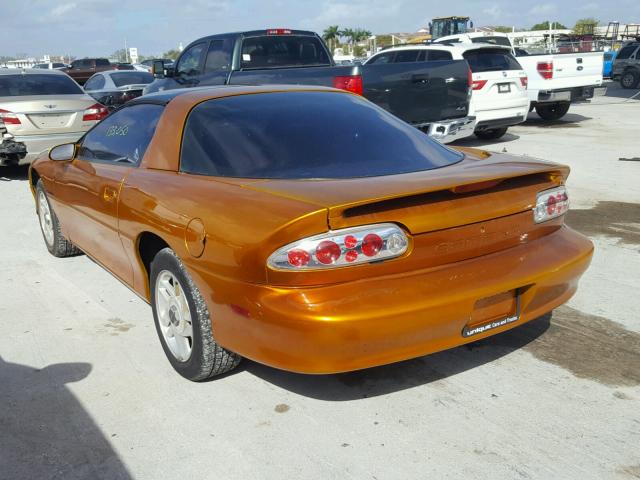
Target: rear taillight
(339, 248)
(350, 83)
(9, 118)
(545, 69)
(524, 81)
(478, 84)
(551, 204)
(469, 78)
(278, 31)
(95, 112)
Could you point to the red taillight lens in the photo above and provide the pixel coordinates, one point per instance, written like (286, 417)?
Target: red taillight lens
(349, 246)
(469, 78)
(328, 252)
(298, 258)
(9, 118)
(371, 245)
(278, 31)
(350, 83)
(95, 112)
(545, 69)
(551, 204)
(524, 81)
(478, 84)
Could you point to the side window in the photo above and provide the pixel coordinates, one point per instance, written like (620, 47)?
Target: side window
(102, 62)
(191, 61)
(407, 56)
(122, 137)
(438, 55)
(382, 58)
(626, 52)
(94, 83)
(218, 56)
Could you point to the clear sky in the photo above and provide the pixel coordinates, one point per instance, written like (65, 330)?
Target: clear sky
(99, 27)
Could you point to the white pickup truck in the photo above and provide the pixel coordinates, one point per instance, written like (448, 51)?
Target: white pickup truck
(555, 80)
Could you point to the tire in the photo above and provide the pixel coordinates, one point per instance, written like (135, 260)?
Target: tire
(552, 111)
(180, 310)
(491, 134)
(630, 79)
(57, 245)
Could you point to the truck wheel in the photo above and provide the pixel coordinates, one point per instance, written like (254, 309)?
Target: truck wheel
(629, 79)
(552, 111)
(57, 245)
(491, 134)
(183, 323)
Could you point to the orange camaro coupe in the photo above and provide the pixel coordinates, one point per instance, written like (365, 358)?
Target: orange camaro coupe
(307, 229)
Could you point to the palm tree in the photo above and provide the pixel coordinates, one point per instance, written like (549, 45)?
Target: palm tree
(330, 35)
(348, 34)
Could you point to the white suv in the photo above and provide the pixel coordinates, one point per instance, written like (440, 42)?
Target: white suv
(499, 97)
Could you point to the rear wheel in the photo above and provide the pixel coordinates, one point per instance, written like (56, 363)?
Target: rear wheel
(630, 79)
(491, 134)
(552, 111)
(57, 245)
(183, 323)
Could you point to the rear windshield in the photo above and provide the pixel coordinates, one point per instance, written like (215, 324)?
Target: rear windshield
(37, 84)
(304, 135)
(494, 40)
(277, 51)
(491, 60)
(131, 78)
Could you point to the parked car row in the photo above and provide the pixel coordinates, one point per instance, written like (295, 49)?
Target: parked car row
(474, 83)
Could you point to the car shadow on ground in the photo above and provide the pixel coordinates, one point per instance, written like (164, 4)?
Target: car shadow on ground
(44, 430)
(475, 142)
(14, 172)
(614, 90)
(570, 120)
(387, 379)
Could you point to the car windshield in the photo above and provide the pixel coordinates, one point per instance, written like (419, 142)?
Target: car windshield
(491, 60)
(121, 79)
(304, 135)
(277, 51)
(37, 84)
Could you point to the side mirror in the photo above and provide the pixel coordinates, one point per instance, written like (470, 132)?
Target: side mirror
(159, 70)
(63, 153)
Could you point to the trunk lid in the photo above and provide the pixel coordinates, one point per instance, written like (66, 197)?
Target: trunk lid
(48, 114)
(479, 188)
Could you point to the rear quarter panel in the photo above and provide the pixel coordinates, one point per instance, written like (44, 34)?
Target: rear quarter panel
(243, 227)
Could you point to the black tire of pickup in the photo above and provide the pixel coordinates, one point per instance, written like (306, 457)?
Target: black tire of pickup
(630, 79)
(552, 111)
(491, 134)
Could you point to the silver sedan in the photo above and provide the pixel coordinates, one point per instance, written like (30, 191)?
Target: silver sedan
(40, 109)
(115, 87)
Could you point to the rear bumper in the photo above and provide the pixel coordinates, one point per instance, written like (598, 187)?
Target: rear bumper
(376, 321)
(577, 94)
(36, 144)
(446, 131)
(503, 117)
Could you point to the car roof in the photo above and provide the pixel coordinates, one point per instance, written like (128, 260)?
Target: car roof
(200, 94)
(457, 47)
(30, 71)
